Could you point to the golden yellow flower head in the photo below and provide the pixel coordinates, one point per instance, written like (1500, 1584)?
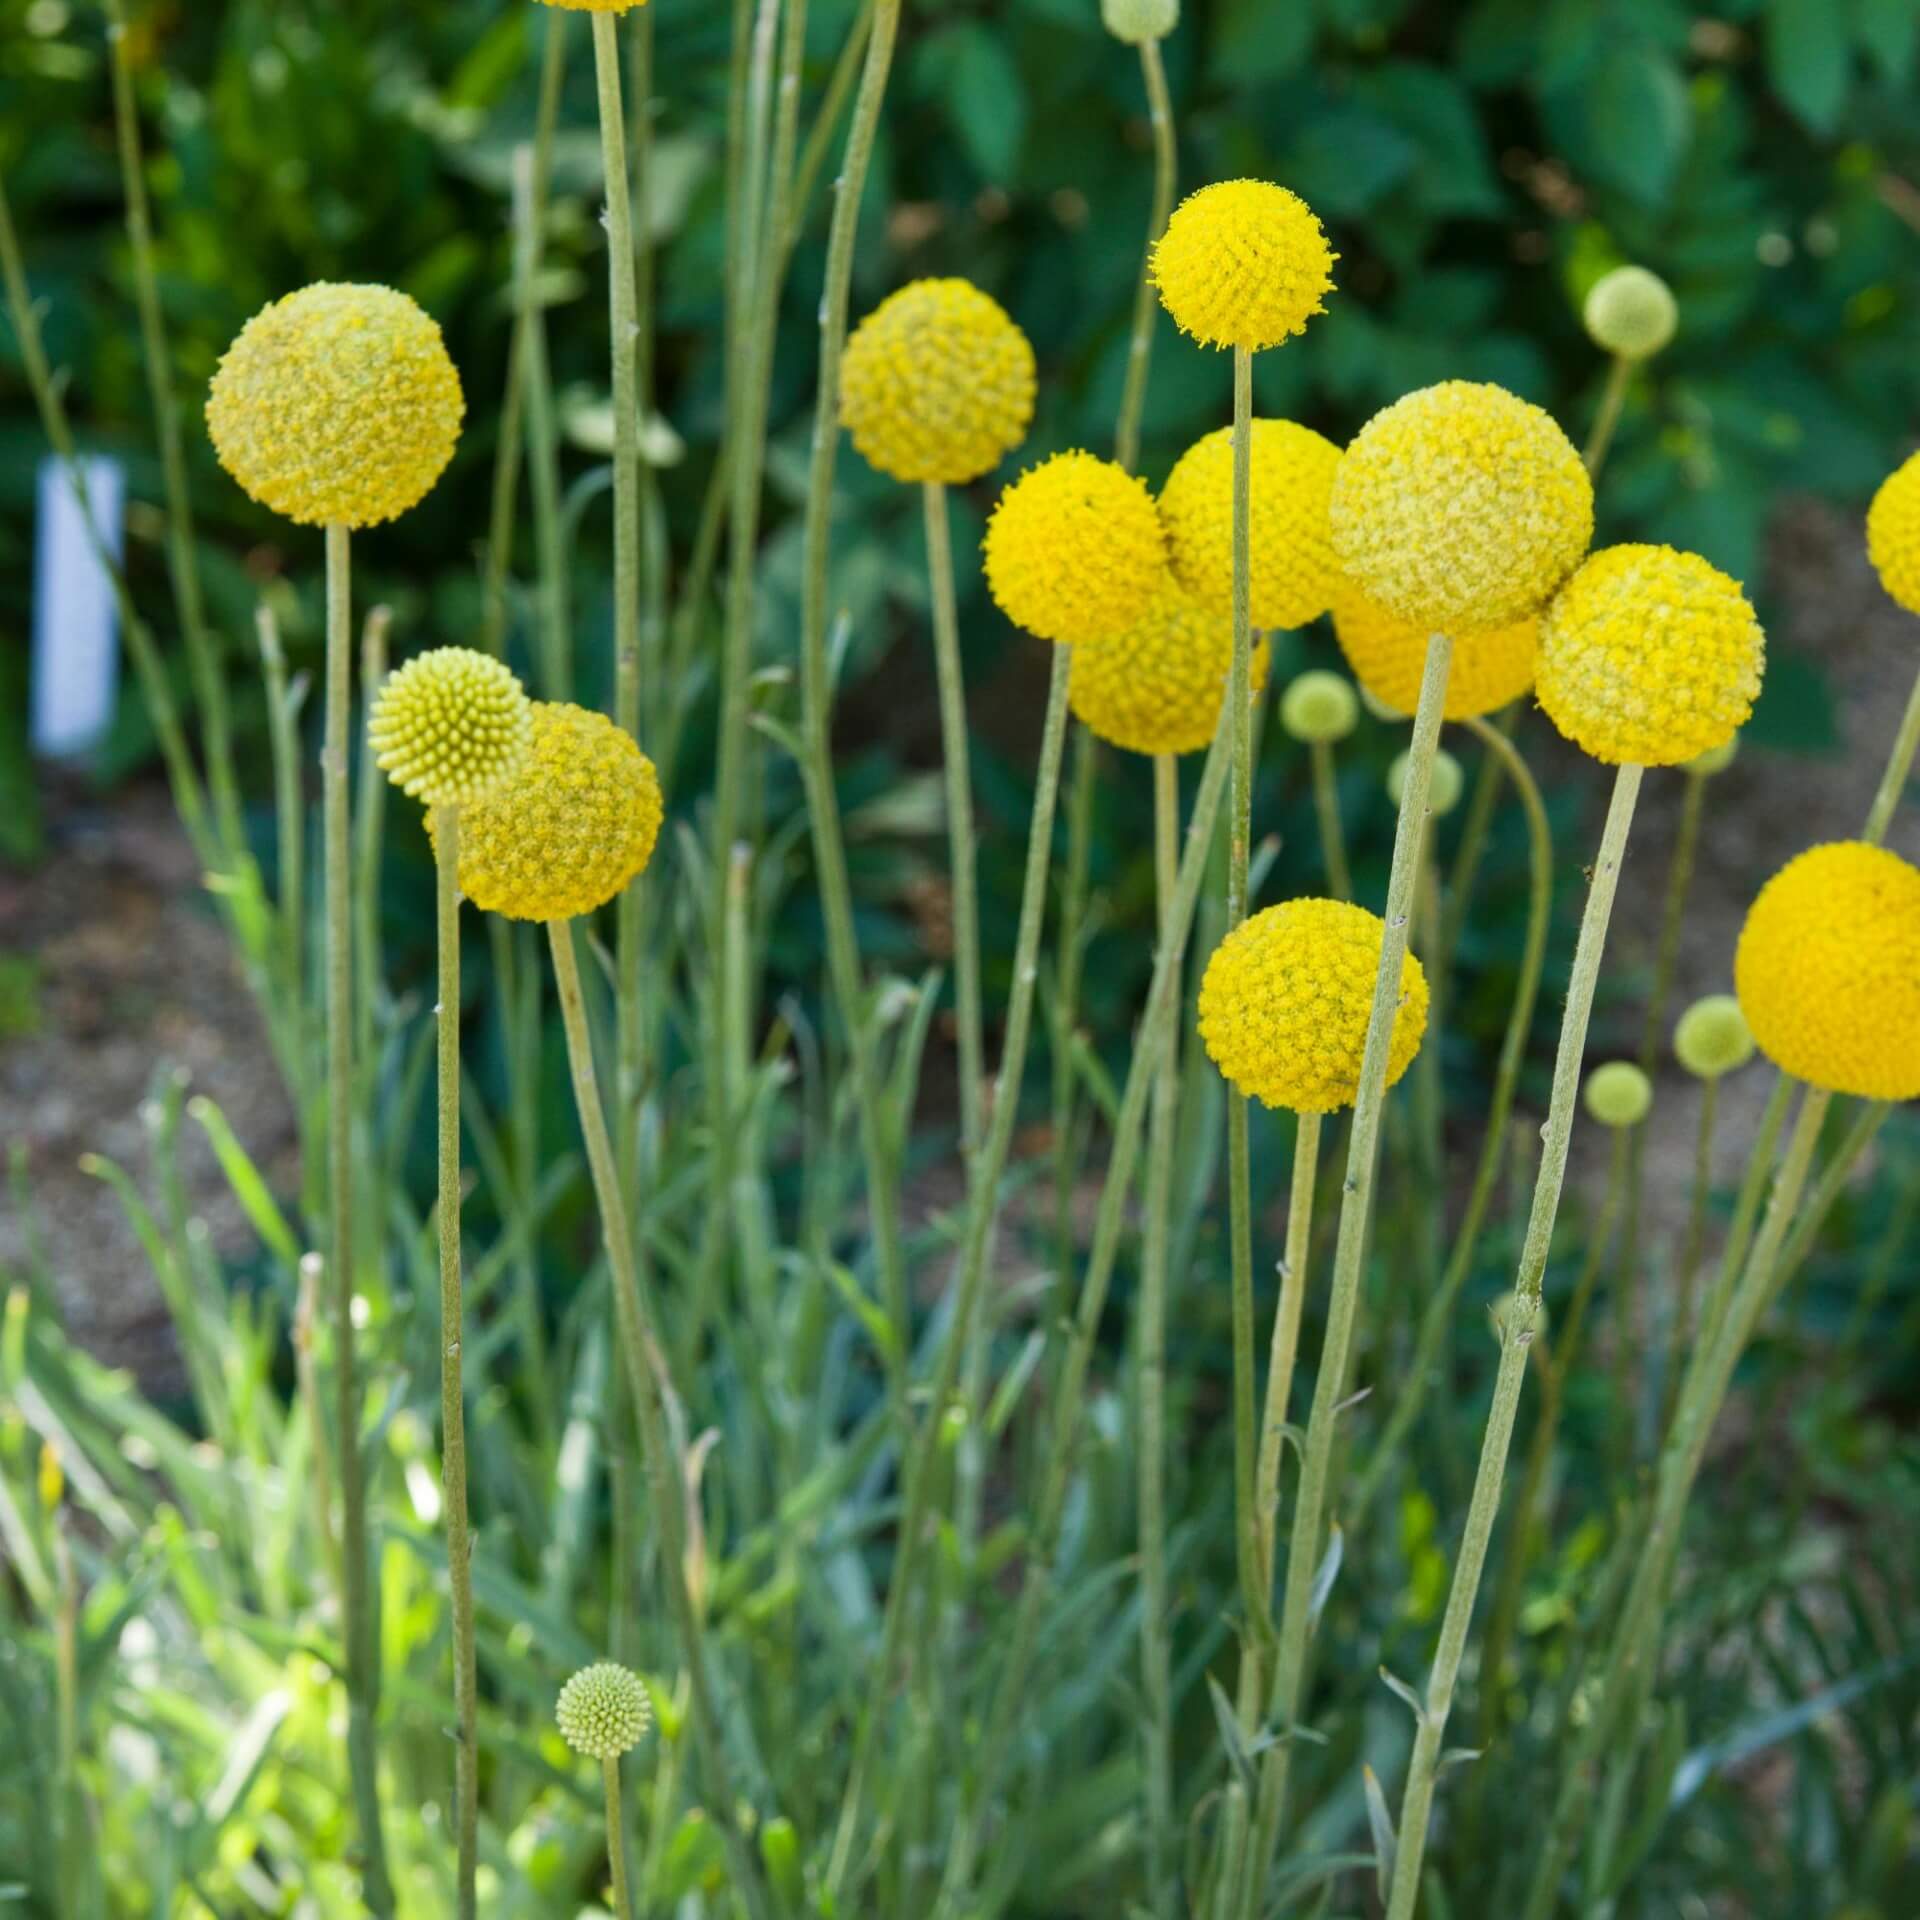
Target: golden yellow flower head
(937, 384)
(570, 829)
(337, 406)
(1243, 264)
(1492, 666)
(1319, 708)
(1290, 551)
(1893, 534)
(1461, 507)
(1630, 312)
(1649, 657)
(604, 1711)
(1075, 550)
(1828, 970)
(1712, 1037)
(1285, 1001)
(1158, 687)
(450, 725)
(1618, 1094)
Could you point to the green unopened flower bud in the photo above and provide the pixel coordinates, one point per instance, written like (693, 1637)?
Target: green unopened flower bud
(1511, 1316)
(1136, 20)
(1319, 708)
(1443, 784)
(1715, 759)
(1712, 1037)
(1618, 1094)
(1631, 312)
(604, 1711)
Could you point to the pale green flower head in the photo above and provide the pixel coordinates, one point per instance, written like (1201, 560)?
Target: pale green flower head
(1444, 784)
(1618, 1094)
(1713, 1037)
(1319, 707)
(1135, 21)
(1631, 312)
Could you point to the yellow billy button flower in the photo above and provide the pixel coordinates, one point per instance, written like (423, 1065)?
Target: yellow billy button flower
(570, 829)
(1618, 1094)
(1290, 550)
(337, 406)
(1285, 1001)
(1461, 507)
(1243, 264)
(1893, 534)
(1492, 667)
(1075, 550)
(604, 1711)
(1712, 1037)
(450, 725)
(937, 384)
(1157, 688)
(1828, 970)
(1649, 657)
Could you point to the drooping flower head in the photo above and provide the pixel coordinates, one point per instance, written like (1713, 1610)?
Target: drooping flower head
(937, 383)
(1649, 657)
(337, 406)
(604, 1711)
(1286, 998)
(1461, 507)
(1319, 708)
(1618, 1094)
(1712, 1037)
(450, 725)
(1828, 970)
(1135, 21)
(1243, 264)
(1630, 312)
(1492, 666)
(1290, 549)
(1159, 686)
(1075, 550)
(570, 829)
(1893, 534)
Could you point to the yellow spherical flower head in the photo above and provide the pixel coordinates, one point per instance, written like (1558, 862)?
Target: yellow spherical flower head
(1290, 551)
(1461, 507)
(1828, 970)
(1649, 656)
(937, 384)
(337, 406)
(604, 1711)
(1492, 666)
(1285, 1001)
(1075, 550)
(450, 725)
(1243, 264)
(1893, 534)
(1158, 687)
(570, 829)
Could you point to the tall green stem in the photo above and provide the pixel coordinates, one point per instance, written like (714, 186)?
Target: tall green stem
(1680, 1327)
(1613, 397)
(1285, 1346)
(1069, 965)
(1146, 305)
(1899, 769)
(1326, 806)
(617, 1840)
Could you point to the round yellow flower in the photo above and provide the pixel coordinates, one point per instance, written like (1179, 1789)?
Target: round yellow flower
(604, 1711)
(1243, 264)
(1290, 550)
(1158, 687)
(1461, 507)
(337, 406)
(1649, 657)
(570, 829)
(1828, 970)
(937, 384)
(1285, 1001)
(451, 724)
(1893, 534)
(1492, 667)
(1075, 550)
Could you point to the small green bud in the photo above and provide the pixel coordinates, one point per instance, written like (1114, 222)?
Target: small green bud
(1618, 1094)
(780, 1851)
(1135, 21)
(1444, 784)
(1319, 708)
(1510, 1316)
(1631, 312)
(604, 1711)
(1712, 1037)
(1715, 759)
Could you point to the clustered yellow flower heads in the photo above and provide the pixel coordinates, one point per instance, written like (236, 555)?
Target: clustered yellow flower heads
(1649, 656)
(1075, 550)
(1630, 312)
(604, 1711)
(1828, 970)
(570, 829)
(937, 383)
(1461, 507)
(1286, 998)
(1158, 687)
(450, 725)
(1712, 1037)
(1243, 264)
(337, 406)
(1492, 666)
(1291, 566)
(1893, 534)
(1135, 21)
(1618, 1094)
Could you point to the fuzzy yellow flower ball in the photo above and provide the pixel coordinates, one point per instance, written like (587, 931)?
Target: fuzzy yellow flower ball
(1893, 534)
(1461, 507)
(1158, 687)
(450, 725)
(1828, 970)
(1492, 667)
(1649, 656)
(1285, 1001)
(937, 384)
(604, 1711)
(1243, 264)
(1075, 550)
(1290, 550)
(570, 829)
(337, 406)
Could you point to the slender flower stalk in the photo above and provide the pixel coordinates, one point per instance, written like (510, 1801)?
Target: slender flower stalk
(1069, 966)
(1613, 397)
(1285, 1347)
(1899, 770)
(1684, 1306)
(289, 809)
(1326, 806)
